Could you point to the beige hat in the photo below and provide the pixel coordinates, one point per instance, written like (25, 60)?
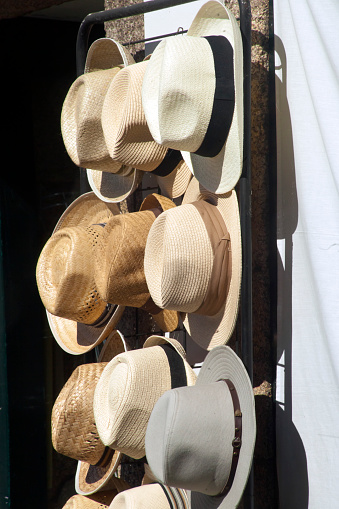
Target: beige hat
(202, 438)
(130, 385)
(99, 500)
(119, 260)
(127, 135)
(192, 96)
(193, 263)
(74, 433)
(78, 317)
(81, 123)
(152, 496)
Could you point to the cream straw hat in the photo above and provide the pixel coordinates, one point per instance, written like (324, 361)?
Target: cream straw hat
(119, 260)
(74, 433)
(193, 97)
(81, 123)
(78, 317)
(130, 385)
(127, 135)
(202, 438)
(193, 263)
(152, 496)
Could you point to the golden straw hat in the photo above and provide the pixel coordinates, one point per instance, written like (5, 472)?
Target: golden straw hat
(78, 317)
(130, 385)
(127, 135)
(151, 496)
(193, 263)
(192, 96)
(99, 500)
(119, 260)
(74, 433)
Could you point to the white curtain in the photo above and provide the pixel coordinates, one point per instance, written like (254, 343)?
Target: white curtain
(307, 105)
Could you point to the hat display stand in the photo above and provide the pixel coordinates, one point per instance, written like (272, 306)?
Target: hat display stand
(244, 183)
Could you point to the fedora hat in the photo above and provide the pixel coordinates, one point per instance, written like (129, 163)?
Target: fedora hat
(155, 496)
(193, 263)
(77, 315)
(119, 260)
(202, 438)
(127, 135)
(130, 385)
(74, 433)
(193, 98)
(81, 123)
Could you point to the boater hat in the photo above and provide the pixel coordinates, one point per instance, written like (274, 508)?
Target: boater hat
(81, 123)
(152, 496)
(193, 263)
(78, 317)
(202, 438)
(74, 433)
(130, 385)
(119, 260)
(127, 135)
(193, 97)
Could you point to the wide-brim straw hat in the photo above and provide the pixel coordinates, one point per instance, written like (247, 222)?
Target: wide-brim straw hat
(130, 385)
(119, 260)
(151, 496)
(128, 138)
(74, 433)
(193, 96)
(202, 438)
(179, 263)
(73, 336)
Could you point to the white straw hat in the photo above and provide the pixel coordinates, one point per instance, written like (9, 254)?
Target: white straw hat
(202, 438)
(92, 320)
(130, 385)
(151, 496)
(193, 96)
(193, 263)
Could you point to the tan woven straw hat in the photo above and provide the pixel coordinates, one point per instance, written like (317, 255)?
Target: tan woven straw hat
(152, 496)
(74, 433)
(119, 260)
(202, 438)
(196, 269)
(130, 385)
(78, 317)
(81, 123)
(99, 500)
(127, 135)
(193, 98)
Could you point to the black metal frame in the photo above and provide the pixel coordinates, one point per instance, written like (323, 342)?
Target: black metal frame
(245, 179)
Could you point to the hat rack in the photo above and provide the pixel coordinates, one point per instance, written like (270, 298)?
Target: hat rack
(244, 184)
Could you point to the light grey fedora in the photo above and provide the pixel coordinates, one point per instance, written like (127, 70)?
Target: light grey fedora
(202, 438)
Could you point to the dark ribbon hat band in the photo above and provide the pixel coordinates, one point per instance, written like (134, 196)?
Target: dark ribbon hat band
(177, 498)
(106, 458)
(177, 366)
(169, 163)
(224, 97)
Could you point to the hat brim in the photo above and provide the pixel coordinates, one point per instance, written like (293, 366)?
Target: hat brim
(74, 337)
(221, 173)
(113, 187)
(221, 363)
(211, 331)
(175, 184)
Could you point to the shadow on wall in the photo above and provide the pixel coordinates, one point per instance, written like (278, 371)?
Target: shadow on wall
(291, 456)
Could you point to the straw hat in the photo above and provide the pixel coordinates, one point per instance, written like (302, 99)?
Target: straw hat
(130, 385)
(193, 98)
(152, 496)
(74, 433)
(81, 123)
(193, 263)
(127, 135)
(119, 260)
(78, 317)
(99, 500)
(202, 438)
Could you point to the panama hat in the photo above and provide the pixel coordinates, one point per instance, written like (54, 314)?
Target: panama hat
(130, 385)
(152, 496)
(193, 98)
(99, 500)
(193, 263)
(127, 135)
(202, 438)
(74, 433)
(81, 122)
(119, 260)
(78, 317)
